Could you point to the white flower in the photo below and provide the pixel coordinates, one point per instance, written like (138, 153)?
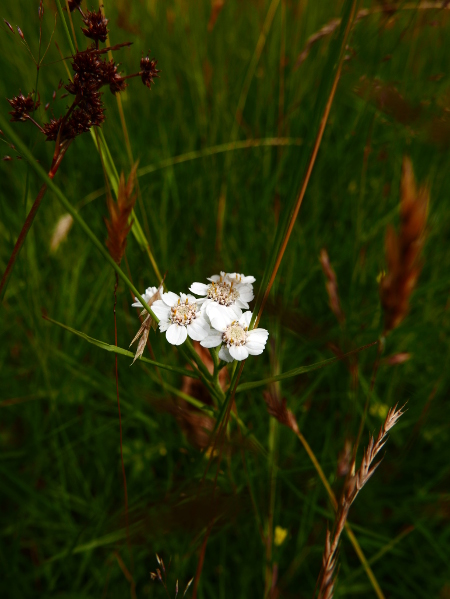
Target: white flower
(238, 342)
(147, 295)
(180, 316)
(236, 277)
(223, 299)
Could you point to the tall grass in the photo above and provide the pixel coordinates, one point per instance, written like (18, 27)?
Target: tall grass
(224, 140)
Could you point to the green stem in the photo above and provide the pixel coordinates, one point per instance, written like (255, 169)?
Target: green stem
(63, 19)
(25, 152)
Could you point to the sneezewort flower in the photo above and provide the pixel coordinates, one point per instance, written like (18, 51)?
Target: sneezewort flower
(147, 295)
(223, 299)
(237, 341)
(180, 316)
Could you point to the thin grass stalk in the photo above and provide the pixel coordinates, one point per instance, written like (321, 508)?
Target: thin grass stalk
(124, 476)
(310, 166)
(239, 113)
(224, 422)
(29, 221)
(111, 169)
(68, 206)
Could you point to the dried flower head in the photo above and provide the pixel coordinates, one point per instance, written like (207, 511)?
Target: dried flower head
(118, 224)
(331, 286)
(352, 487)
(95, 25)
(52, 129)
(148, 70)
(151, 295)
(278, 409)
(22, 106)
(61, 231)
(73, 4)
(403, 250)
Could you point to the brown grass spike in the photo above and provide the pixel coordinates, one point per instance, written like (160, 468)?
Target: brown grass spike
(354, 483)
(403, 250)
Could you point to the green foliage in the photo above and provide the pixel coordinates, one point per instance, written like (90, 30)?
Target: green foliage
(62, 497)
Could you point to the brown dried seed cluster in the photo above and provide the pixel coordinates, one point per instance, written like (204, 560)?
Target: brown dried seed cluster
(91, 73)
(148, 70)
(403, 250)
(95, 26)
(22, 106)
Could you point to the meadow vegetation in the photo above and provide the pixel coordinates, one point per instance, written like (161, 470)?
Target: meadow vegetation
(306, 144)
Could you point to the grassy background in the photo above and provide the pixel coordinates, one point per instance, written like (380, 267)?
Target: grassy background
(61, 492)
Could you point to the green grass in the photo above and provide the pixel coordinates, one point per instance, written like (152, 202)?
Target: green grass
(61, 493)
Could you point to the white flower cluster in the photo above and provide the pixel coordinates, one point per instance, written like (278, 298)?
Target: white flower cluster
(215, 318)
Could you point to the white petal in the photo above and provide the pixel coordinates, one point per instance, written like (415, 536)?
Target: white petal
(240, 278)
(176, 334)
(198, 329)
(245, 319)
(214, 279)
(161, 310)
(213, 339)
(199, 288)
(254, 349)
(239, 352)
(258, 336)
(164, 325)
(224, 354)
(137, 303)
(234, 311)
(245, 293)
(219, 316)
(170, 298)
(241, 304)
(150, 291)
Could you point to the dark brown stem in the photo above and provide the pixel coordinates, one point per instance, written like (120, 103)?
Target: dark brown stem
(28, 222)
(34, 123)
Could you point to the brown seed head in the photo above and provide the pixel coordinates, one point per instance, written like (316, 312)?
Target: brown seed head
(22, 106)
(118, 224)
(74, 4)
(331, 286)
(95, 26)
(52, 128)
(277, 408)
(403, 250)
(148, 70)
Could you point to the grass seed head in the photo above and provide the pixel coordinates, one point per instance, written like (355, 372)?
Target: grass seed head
(403, 250)
(331, 286)
(119, 224)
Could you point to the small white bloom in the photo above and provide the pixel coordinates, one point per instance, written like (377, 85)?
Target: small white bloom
(238, 342)
(147, 295)
(180, 316)
(223, 299)
(236, 277)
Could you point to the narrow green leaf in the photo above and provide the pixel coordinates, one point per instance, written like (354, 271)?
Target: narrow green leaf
(299, 370)
(123, 352)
